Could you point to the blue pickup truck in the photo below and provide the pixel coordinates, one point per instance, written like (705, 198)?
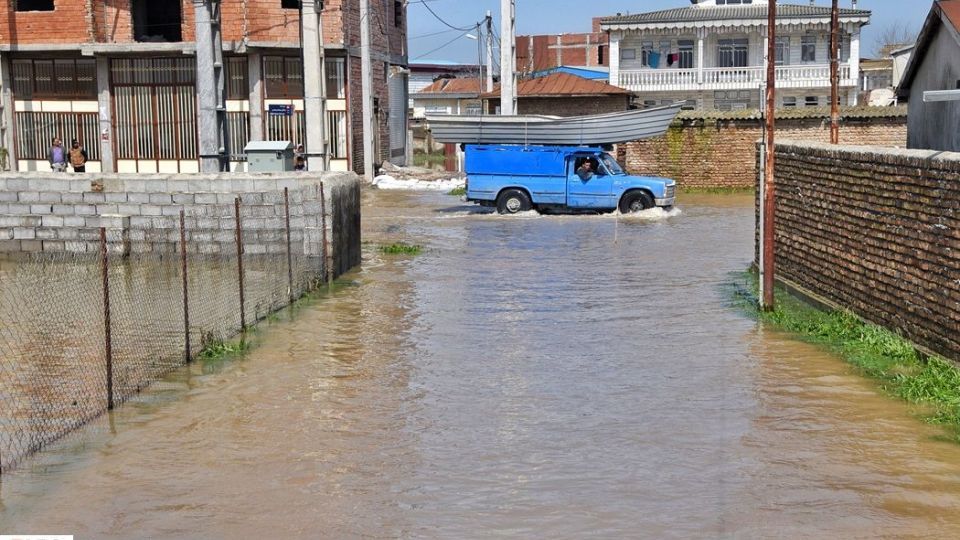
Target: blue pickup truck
(518, 178)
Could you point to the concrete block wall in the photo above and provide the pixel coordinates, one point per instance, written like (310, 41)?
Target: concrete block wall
(876, 230)
(719, 153)
(54, 213)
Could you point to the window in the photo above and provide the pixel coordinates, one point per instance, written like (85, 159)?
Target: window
(649, 103)
(733, 2)
(34, 5)
(733, 52)
(845, 48)
(628, 54)
(811, 101)
(397, 13)
(283, 76)
(601, 53)
(238, 86)
(689, 105)
(290, 4)
(686, 54)
(808, 48)
(61, 78)
(336, 78)
(156, 21)
(789, 101)
(783, 51)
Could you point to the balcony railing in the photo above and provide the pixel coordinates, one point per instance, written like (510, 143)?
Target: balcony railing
(804, 76)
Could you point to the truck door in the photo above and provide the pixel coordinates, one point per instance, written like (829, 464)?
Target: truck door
(588, 187)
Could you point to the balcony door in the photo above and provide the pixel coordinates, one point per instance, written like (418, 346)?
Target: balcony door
(733, 52)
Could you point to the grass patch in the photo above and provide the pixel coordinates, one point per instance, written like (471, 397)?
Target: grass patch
(401, 248)
(931, 382)
(714, 190)
(458, 192)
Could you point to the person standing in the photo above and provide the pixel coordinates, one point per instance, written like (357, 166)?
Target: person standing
(57, 156)
(78, 157)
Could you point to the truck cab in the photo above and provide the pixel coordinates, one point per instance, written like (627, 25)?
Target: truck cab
(517, 178)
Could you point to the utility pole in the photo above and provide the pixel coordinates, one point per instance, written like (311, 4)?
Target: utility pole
(211, 89)
(366, 81)
(489, 52)
(767, 266)
(508, 58)
(314, 84)
(835, 74)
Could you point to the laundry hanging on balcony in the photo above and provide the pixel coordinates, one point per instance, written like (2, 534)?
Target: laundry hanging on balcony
(673, 58)
(654, 59)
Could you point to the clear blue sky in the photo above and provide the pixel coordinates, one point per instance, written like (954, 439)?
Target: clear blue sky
(556, 16)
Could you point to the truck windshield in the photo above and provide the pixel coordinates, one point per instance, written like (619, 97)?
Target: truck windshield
(611, 164)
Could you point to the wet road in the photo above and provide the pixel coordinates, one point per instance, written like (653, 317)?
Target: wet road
(554, 377)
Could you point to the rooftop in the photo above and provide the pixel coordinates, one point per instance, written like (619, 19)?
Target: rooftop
(451, 87)
(726, 13)
(561, 84)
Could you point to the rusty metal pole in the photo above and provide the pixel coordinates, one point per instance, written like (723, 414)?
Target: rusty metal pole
(835, 74)
(186, 294)
(107, 338)
(767, 272)
(239, 229)
(286, 211)
(323, 235)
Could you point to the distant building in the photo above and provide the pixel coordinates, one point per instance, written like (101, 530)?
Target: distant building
(901, 57)
(120, 75)
(562, 94)
(449, 96)
(594, 73)
(712, 54)
(424, 74)
(935, 65)
(542, 52)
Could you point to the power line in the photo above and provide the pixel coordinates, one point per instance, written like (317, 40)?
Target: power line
(444, 45)
(439, 18)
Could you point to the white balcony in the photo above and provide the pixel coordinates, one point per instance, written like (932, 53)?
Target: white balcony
(802, 76)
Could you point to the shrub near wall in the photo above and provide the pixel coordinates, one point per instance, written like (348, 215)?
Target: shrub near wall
(714, 149)
(877, 231)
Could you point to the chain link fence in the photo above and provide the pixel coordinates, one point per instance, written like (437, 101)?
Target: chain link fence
(84, 331)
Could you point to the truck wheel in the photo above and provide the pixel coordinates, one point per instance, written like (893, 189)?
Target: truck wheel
(513, 201)
(635, 201)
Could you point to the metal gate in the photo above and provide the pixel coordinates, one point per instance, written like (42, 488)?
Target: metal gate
(155, 112)
(397, 119)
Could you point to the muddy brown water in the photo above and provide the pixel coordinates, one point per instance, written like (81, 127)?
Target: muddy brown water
(533, 377)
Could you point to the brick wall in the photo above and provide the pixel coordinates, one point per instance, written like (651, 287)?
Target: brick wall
(537, 53)
(875, 230)
(718, 152)
(68, 23)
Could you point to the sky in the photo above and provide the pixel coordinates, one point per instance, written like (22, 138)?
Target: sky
(430, 39)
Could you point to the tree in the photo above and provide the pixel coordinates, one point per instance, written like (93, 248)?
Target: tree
(893, 36)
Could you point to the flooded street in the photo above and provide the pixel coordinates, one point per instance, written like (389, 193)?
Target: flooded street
(532, 377)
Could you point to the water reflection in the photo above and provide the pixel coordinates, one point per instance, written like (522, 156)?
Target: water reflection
(536, 377)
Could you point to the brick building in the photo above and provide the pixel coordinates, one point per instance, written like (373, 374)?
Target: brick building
(544, 52)
(121, 76)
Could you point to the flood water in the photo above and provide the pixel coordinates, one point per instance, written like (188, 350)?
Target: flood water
(533, 377)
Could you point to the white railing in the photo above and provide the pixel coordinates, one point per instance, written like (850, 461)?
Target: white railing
(803, 76)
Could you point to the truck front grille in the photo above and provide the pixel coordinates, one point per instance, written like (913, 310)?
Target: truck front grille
(670, 192)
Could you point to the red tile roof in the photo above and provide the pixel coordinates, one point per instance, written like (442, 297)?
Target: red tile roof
(454, 86)
(561, 84)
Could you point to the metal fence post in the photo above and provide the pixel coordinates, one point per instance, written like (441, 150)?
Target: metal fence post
(108, 342)
(323, 235)
(243, 316)
(286, 209)
(186, 294)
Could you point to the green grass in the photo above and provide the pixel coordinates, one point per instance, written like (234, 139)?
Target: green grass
(401, 248)
(458, 192)
(929, 381)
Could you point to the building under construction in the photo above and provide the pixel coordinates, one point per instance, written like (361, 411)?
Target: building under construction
(121, 76)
